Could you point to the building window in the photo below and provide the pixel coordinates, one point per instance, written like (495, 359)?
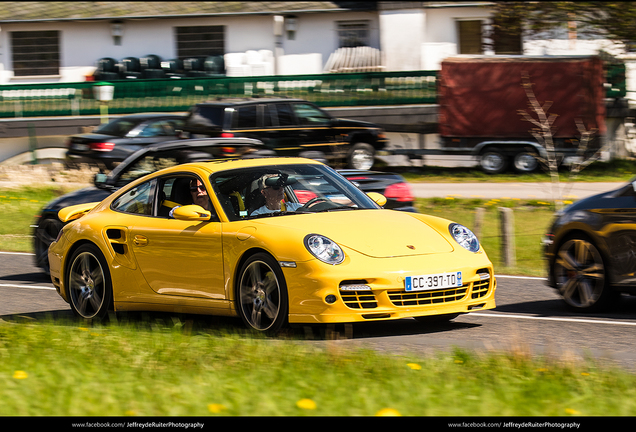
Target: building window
(506, 36)
(353, 34)
(470, 37)
(201, 41)
(36, 52)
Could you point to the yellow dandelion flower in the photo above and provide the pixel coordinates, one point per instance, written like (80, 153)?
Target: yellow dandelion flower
(414, 366)
(130, 413)
(388, 412)
(216, 408)
(572, 411)
(585, 374)
(20, 374)
(306, 404)
(459, 361)
(542, 370)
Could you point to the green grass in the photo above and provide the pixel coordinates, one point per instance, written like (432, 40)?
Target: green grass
(18, 210)
(158, 368)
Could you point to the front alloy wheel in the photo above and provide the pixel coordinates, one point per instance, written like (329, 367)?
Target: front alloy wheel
(262, 294)
(580, 275)
(89, 284)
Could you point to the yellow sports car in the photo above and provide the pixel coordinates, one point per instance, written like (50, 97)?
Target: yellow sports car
(274, 241)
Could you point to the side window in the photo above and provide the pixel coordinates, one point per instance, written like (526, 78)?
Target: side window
(181, 191)
(310, 115)
(267, 116)
(153, 129)
(247, 117)
(138, 200)
(285, 114)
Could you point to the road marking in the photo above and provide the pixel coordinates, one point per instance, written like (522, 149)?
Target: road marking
(26, 286)
(575, 320)
(17, 253)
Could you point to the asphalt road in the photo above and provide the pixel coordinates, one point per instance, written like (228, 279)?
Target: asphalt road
(529, 318)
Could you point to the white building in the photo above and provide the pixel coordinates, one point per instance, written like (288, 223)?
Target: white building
(62, 41)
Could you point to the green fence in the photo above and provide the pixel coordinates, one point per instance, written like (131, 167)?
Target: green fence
(173, 95)
(352, 89)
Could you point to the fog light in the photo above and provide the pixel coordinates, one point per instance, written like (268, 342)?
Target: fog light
(330, 299)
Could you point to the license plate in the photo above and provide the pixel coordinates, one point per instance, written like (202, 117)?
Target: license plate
(81, 147)
(433, 281)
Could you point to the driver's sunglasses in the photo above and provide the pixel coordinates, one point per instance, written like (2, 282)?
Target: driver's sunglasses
(197, 188)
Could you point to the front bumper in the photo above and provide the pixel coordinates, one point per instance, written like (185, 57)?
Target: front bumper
(316, 293)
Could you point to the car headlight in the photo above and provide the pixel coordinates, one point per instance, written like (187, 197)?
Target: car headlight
(324, 249)
(464, 237)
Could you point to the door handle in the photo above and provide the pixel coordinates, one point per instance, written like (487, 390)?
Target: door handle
(140, 240)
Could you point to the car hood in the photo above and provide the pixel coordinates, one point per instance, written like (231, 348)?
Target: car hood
(353, 123)
(375, 233)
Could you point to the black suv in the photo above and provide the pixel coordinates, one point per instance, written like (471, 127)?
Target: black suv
(289, 127)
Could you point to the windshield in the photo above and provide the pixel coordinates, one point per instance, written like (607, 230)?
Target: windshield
(286, 189)
(119, 127)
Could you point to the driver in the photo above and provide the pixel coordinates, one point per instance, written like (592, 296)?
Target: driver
(274, 195)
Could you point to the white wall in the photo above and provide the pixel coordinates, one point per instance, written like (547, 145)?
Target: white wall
(402, 35)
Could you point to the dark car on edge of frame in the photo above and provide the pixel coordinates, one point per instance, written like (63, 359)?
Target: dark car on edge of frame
(591, 249)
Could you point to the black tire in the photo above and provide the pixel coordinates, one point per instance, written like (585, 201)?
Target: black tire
(261, 294)
(580, 275)
(89, 284)
(493, 161)
(44, 235)
(361, 156)
(525, 162)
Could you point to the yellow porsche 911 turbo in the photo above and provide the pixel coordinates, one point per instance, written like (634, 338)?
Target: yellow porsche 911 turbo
(275, 241)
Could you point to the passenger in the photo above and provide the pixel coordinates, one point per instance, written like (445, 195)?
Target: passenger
(199, 196)
(273, 198)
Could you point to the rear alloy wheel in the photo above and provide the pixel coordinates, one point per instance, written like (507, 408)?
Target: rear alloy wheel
(262, 294)
(580, 276)
(493, 162)
(361, 156)
(525, 162)
(89, 284)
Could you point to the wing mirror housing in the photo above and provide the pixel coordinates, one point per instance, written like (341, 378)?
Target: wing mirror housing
(379, 199)
(192, 213)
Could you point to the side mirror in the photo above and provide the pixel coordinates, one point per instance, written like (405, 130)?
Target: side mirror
(378, 198)
(192, 213)
(99, 179)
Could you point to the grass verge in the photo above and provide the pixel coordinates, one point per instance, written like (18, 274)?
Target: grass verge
(152, 368)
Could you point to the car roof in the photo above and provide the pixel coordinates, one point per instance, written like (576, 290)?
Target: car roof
(183, 144)
(138, 116)
(246, 101)
(229, 164)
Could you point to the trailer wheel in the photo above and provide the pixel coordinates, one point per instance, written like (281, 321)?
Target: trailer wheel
(525, 162)
(493, 161)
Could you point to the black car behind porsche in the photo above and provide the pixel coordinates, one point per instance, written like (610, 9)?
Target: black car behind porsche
(591, 249)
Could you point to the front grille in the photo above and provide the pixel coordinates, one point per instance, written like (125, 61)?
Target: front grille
(480, 289)
(404, 298)
(359, 299)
